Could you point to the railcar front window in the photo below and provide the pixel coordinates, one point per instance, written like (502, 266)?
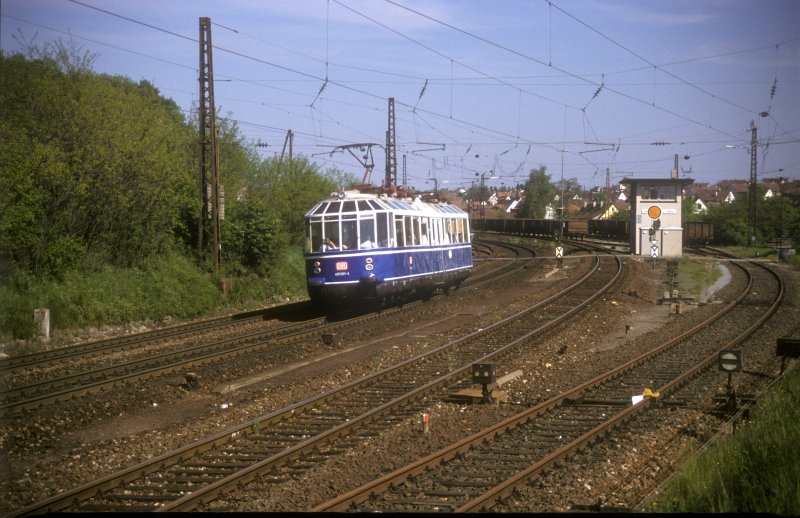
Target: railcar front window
(331, 232)
(314, 241)
(349, 234)
(366, 234)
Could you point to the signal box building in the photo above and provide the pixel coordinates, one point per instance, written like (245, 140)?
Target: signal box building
(656, 224)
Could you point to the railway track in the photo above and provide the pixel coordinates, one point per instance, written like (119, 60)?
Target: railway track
(486, 469)
(30, 396)
(41, 359)
(27, 396)
(189, 477)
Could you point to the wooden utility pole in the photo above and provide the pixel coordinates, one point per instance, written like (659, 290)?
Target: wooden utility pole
(209, 157)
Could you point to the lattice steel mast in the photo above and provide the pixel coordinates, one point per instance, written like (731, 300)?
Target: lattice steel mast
(209, 157)
(391, 150)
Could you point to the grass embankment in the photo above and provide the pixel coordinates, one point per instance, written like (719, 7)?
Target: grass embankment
(769, 253)
(755, 470)
(694, 276)
(169, 286)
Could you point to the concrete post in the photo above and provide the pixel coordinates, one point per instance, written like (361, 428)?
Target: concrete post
(42, 319)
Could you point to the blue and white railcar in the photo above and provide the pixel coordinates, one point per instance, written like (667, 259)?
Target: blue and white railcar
(365, 247)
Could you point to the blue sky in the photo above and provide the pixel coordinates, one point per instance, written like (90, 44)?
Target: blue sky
(492, 87)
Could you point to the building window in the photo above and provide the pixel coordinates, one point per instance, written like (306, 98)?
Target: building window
(659, 192)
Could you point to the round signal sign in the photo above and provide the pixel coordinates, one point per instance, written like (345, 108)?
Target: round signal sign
(654, 211)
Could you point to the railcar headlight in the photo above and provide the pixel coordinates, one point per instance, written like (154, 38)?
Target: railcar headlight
(317, 271)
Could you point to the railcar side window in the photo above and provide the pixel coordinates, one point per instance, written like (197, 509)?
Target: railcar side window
(424, 231)
(451, 231)
(409, 224)
(398, 231)
(383, 229)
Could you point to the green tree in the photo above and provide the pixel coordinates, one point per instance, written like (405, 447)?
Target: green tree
(778, 218)
(94, 166)
(264, 212)
(569, 186)
(622, 215)
(730, 223)
(539, 193)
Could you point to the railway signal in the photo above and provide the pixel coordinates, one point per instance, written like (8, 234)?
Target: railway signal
(730, 361)
(484, 374)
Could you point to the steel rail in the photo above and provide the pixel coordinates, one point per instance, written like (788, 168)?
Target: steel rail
(501, 490)
(89, 382)
(33, 360)
(34, 395)
(211, 491)
(65, 500)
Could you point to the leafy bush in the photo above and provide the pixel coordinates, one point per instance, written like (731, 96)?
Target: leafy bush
(160, 287)
(753, 471)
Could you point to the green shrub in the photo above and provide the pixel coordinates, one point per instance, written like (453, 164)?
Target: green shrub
(755, 470)
(286, 279)
(163, 286)
(168, 285)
